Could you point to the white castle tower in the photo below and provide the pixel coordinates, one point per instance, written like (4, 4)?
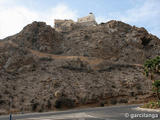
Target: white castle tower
(89, 18)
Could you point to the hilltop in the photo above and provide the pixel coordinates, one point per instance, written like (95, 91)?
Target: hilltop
(42, 69)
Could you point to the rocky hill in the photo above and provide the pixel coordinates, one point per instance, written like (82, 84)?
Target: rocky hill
(42, 69)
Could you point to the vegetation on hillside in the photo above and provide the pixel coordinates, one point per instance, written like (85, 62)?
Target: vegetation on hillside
(152, 67)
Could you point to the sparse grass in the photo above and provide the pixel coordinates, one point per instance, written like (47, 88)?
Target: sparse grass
(152, 105)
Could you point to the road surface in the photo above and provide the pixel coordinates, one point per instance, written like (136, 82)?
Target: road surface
(121, 112)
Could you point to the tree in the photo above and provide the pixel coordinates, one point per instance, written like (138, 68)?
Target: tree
(151, 67)
(156, 88)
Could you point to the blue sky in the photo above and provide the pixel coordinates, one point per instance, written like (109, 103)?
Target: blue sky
(15, 14)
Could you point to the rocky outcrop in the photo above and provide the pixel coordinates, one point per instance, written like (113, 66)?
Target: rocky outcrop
(95, 64)
(39, 36)
(113, 40)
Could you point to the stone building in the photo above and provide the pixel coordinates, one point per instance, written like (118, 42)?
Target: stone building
(89, 18)
(67, 25)
(63, 25)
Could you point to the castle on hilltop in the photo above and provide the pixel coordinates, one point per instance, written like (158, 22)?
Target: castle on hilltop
(67, 25)
(86, 19)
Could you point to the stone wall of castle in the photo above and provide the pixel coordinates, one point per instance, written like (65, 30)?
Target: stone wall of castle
(63, 25)
(85, 24)
(89, 18)
(67, 25)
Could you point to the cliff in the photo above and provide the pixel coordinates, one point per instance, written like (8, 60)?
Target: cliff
(42, 69)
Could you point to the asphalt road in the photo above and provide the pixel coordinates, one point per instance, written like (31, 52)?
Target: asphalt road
(122, 112)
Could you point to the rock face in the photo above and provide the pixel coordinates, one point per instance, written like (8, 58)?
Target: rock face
(39, 36)
(102, 63)
(112, 40)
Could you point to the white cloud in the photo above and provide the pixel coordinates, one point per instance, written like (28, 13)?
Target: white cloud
(148, 11)
(61, 11)
(101, 19)
(2, 1)
(146, 15)
(13, 19)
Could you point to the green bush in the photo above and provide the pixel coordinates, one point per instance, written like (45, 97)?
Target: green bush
(152, 105)
(156, 83)
(102, 104)
(123, 100)
(64, 102)
(156, 88)
(49, 104)
(34, 106)
(151, 67)
(113, 101)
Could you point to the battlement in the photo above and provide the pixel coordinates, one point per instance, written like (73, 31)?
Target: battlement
(67, 25)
